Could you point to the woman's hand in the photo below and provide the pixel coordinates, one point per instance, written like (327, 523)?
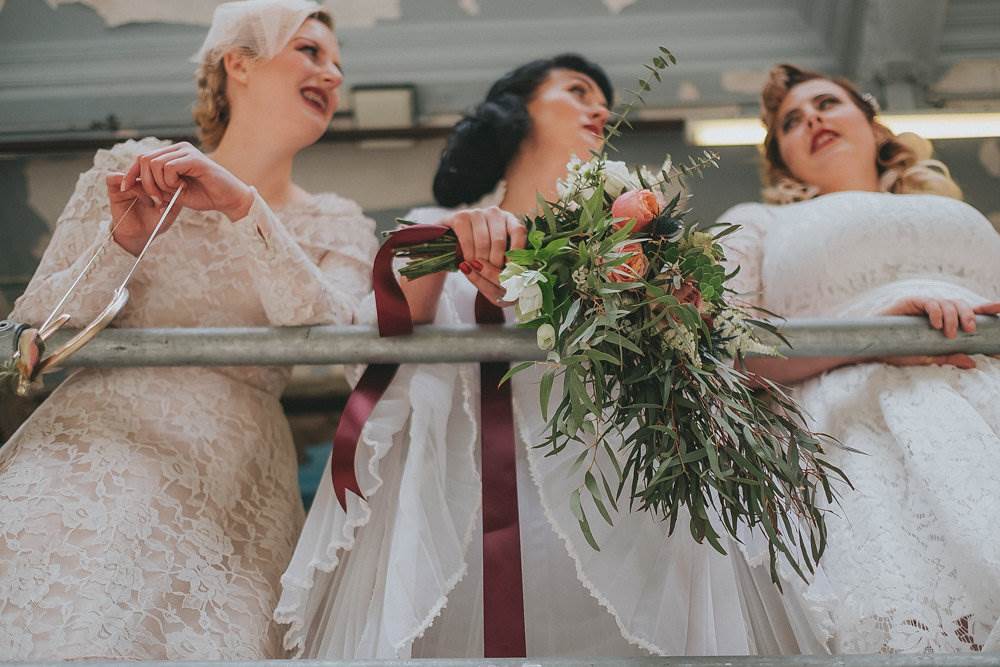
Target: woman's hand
(947, 316)
(208, 186)
(134, 214)
(484, 236)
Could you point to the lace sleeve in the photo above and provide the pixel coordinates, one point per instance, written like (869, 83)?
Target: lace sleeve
(745, 250)
(83, 229)
(317, 274)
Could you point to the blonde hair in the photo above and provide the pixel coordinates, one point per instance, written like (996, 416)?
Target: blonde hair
(211, 110)
(904, 161)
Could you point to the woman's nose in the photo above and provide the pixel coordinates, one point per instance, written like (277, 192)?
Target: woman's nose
(333, 75)
(812, 116)
(600, 114)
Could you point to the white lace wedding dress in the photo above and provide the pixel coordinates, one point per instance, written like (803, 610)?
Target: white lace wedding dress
(401, 575)
(147, 513)
(913, 562)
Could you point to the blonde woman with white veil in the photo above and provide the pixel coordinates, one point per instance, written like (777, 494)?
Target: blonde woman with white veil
(147, 513)
(862, 223)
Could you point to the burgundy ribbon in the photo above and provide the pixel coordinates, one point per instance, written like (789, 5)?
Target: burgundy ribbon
(503, 595)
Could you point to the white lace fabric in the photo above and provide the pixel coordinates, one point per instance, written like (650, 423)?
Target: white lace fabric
(147, 513)
(912, 563)
(401, 574)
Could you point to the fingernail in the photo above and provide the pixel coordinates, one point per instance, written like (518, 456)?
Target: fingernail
(465, 268)
(121, 186)
(156, 200)
(477, 265)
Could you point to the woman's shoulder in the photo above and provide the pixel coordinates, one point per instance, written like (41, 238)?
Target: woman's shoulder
(327, 205)
(910, 205)
(427, 215)
(749, 214)
(329, 221)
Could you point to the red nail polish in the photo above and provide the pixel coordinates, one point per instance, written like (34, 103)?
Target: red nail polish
(477, 265)
(465, 268)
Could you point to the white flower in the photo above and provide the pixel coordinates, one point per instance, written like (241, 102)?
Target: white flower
(545, 336)
(584, 169)
(577, 184)
(515, 278)
(648, 176)
(732, 325)
(681, 339)
(565, 189)
(617, 178)
(529, 303)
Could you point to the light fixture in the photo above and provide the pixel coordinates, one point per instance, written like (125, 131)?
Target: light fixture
(750, 132)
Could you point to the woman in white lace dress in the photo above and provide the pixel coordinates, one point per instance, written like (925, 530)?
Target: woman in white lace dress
(147, 513)
(862, 223)
(402, 575)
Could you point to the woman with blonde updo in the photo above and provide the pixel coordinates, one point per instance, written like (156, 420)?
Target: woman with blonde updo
(147, 513)
(862, 223)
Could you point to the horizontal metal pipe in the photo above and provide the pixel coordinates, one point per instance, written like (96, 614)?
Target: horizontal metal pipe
(463, 343)
(915, 660)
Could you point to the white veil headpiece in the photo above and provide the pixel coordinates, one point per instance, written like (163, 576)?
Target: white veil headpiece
(262, 26)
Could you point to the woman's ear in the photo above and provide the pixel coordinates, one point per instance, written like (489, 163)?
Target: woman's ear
(237, 64)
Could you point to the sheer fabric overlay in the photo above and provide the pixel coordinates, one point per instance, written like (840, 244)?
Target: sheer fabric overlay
(400, 575)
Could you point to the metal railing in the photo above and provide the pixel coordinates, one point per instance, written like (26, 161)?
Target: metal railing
(438, 344)
(448, 344)
(926, 660)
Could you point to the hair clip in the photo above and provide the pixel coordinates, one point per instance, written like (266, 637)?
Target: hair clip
(870, 100)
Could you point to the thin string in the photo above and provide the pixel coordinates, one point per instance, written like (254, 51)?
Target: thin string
(100, 250)
(97, 253)
(152, 236)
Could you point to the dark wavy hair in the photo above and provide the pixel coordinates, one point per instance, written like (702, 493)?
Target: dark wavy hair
(483, 143)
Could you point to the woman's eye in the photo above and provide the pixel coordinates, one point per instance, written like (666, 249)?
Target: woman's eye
(789, 123)
(311, 50)
(828, 102)
(579, 91)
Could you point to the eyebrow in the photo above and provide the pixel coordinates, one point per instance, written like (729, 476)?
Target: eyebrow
(591, 85)
(815, 98)
(315, 43)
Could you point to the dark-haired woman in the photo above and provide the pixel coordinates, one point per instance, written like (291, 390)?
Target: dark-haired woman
(402, 575)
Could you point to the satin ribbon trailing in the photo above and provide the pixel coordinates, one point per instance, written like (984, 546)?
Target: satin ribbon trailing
(503, 596)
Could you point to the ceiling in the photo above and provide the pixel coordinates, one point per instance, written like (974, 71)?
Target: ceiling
(63, 68)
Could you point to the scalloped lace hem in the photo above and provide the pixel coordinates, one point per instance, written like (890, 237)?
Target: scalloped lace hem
(358, 515)
(632, 638)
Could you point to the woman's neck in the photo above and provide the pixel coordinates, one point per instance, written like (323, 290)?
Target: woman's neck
(258, 160)
(854, 180)
(532, 173)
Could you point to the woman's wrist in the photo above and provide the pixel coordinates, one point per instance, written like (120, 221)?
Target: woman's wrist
(132, 246)
(242, 208)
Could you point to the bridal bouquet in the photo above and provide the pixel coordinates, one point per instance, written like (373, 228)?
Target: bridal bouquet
(631, 303)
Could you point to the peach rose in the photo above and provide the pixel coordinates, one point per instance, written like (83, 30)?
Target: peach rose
(634, 268)
(688, 292)
(639, 205)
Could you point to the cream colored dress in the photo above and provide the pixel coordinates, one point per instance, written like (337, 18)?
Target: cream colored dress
(147, 513)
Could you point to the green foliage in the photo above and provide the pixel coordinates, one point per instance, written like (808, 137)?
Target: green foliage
(643, 387)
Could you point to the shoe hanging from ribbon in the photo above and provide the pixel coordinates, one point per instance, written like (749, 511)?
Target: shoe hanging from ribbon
(503, 598)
